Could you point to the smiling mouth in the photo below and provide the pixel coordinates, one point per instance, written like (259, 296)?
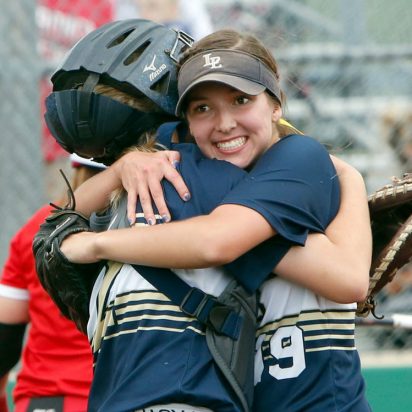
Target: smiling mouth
(230, 145)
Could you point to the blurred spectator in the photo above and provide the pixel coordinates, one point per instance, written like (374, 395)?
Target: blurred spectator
(56, 368)
(60, 25)
(396, 297)
(397, 129)
(190, 16)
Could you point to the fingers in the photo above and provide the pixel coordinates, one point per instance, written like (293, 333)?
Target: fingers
(131, 206)
(172, 156)
(174, 177)
(157, 194)
(141, 174)
(145, 200)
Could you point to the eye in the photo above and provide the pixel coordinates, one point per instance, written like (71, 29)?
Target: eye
(202, 108)
(198, 108)
(242, 99)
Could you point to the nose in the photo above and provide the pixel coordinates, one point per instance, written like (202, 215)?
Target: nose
(225, 121)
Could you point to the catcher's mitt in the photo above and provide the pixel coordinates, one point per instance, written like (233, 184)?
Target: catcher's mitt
(68, 284)
(391, 218)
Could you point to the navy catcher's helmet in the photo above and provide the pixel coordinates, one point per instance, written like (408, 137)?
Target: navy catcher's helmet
(135, 56)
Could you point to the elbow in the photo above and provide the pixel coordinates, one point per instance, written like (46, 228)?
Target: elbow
(357, 293)
(214, 253)
(356, 289)
(361, 292)
(361, 283)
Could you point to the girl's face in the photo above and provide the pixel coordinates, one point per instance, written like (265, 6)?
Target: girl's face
(230, 125)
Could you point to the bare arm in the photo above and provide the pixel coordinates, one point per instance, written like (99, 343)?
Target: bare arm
(336, 266)
(323, 265)
(13, 311)
(199, 242)
(94, 194)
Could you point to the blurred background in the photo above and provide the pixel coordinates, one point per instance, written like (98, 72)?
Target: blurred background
(346, 68)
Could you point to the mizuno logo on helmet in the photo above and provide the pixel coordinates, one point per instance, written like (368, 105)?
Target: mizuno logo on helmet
(154, 70)
(151, 66)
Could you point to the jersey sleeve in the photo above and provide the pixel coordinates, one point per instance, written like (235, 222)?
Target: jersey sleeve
(18, 269)
(19, 262)
(294, 186)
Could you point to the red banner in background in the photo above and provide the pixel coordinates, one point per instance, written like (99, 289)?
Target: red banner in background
(61, 23)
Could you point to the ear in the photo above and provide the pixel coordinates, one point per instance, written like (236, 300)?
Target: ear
(276, 114)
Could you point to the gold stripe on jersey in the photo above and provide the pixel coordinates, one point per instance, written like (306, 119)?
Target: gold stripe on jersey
(319, 328)
(147, 294)
(151, 328)
(113, 268)
(143, 307)
(312, 316)
(329, 336)
(131, 307)
(110, 319)
(138, 302)
(342, 326)
(323, 348)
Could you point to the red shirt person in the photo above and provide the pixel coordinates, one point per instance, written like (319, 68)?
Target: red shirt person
(56, 362)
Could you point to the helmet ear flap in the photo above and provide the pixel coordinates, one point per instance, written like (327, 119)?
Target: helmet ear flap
(70, 121)
(94, 125)
(83, 122)
(58, 123)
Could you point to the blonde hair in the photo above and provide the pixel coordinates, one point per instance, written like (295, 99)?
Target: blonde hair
(141, 103)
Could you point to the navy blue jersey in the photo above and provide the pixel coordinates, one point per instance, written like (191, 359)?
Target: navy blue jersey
(306, 358)
(147, 352)
(295, 188)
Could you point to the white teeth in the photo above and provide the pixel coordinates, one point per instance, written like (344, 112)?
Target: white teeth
(232, 144)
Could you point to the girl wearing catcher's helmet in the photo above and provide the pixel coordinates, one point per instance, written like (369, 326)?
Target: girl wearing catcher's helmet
(136, 57)
(165, 371)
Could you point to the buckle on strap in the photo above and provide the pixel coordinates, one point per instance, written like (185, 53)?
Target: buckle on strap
(183, 37)
(208, 310)
(198, 304)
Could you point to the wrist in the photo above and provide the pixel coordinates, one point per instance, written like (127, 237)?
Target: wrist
(116, 171)
(98, 245)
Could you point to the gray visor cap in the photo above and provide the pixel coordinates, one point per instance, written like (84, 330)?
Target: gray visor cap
(234, 68)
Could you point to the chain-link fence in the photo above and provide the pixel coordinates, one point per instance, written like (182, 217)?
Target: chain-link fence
(20, 157)
(346, 68)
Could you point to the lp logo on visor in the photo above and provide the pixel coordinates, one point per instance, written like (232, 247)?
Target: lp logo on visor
(212, 61)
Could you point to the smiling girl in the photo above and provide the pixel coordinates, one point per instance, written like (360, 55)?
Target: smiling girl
(306, 359)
